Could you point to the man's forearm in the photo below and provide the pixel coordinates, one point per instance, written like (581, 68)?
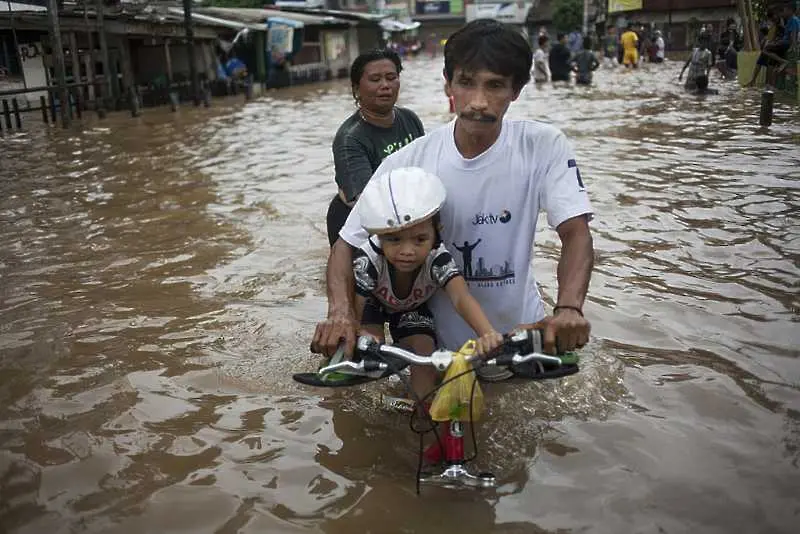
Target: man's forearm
(340, 280)
(575, 267)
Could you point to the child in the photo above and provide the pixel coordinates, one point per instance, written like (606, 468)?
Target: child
(540, 71)
(404, 263)
(584, 64)
(700, 62)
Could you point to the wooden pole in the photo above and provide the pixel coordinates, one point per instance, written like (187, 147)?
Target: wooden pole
(187, 21)
(101, 34)
(168, 58)
(89, 59)
(16, 45)
(17, 118)
(58, 60)
(43, 105)
(76, 69)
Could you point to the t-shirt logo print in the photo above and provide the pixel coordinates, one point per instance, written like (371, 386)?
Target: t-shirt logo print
(482, 271)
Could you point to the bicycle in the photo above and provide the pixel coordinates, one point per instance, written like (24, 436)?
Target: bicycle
(521, 351)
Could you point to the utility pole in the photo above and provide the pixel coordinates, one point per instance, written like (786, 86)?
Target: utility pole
(58, 60)
(187, 21)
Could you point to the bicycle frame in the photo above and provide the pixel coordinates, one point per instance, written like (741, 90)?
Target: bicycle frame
(455, 473)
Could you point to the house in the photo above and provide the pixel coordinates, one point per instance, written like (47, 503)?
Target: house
(680, 20)
(134, 39)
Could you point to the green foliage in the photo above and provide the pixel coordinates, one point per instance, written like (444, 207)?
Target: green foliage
(567, 14)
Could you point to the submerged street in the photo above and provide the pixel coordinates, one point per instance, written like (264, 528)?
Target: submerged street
(161, 278)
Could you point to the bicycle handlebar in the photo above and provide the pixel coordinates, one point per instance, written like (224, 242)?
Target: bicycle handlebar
(518, 347)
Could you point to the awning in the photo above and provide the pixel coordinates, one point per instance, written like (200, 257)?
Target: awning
(392, 25)
(216, 21)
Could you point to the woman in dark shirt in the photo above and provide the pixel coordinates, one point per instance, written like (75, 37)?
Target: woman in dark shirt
(376, 129)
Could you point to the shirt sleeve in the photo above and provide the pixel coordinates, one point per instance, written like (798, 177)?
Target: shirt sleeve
(365, 272)
(564, 193)
(352, 165)
(352, 231)
(443, 267)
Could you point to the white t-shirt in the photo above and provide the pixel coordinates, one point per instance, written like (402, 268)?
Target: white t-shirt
(660, 47)
(490, 215)
(373, 277)
(541, 71)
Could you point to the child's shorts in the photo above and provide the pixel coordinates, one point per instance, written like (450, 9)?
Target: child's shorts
(401, 324)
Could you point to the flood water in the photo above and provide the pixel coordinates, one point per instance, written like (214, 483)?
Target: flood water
(160, 279)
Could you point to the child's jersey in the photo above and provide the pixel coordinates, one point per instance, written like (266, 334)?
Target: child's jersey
(372, 274)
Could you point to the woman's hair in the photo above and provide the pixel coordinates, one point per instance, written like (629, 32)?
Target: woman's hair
(377, 54)
(543, 40)
(491, 45)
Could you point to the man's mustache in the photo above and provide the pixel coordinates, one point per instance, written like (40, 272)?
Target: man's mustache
(478, 117)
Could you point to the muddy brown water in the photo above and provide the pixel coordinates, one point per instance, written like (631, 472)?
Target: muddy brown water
(160, 279)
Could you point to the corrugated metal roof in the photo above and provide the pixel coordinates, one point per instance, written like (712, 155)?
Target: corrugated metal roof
(208, 20)
(250, 15)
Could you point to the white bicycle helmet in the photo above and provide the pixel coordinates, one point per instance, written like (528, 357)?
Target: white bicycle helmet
(399, 199)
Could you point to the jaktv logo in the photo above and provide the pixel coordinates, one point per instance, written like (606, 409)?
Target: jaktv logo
(489, 218)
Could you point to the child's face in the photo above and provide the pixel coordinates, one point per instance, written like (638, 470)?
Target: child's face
(407, 249)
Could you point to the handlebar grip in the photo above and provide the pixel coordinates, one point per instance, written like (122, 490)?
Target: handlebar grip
(524, 341)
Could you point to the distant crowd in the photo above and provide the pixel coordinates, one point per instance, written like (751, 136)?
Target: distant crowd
(578, 54)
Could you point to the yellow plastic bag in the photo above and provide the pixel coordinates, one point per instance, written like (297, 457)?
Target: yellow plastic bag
(455, 400)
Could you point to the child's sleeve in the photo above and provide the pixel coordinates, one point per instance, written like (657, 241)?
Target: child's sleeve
(365, 273)
(443, 267)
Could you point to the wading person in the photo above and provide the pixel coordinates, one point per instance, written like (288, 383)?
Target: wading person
(699, 65)
(376, 129)
(558, 59)
(630, 47)
(584, 64)
(499, 175)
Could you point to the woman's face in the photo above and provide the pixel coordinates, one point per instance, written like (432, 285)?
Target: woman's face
(379, 85)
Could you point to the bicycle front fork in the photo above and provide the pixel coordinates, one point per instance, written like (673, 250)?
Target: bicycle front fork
(455, 474)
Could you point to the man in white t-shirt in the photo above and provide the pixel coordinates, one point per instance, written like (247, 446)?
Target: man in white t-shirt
(499, 174)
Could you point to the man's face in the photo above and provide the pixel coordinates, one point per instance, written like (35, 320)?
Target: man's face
(481, 98)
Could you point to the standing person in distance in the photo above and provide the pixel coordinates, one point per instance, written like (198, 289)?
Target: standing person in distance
(558, 59)
(541, 72)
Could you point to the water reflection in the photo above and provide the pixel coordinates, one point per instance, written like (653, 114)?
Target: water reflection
(161, 278)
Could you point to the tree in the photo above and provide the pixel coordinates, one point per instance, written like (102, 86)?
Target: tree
(567, 14)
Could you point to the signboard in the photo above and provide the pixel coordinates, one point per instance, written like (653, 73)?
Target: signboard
(280, 39)
(615, 6)
(510, 12)
(335, 46)
(433, 7)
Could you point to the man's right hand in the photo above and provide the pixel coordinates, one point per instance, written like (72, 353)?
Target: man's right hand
(337, 329)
